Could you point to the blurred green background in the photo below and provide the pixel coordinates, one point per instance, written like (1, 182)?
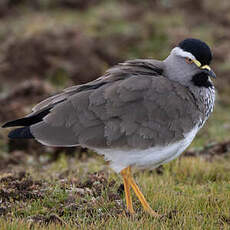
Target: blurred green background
(47, 45)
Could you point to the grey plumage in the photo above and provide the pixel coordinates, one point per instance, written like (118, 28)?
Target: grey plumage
(131, 106)
(136, 105)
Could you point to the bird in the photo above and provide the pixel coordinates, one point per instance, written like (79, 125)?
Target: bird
(141, 113)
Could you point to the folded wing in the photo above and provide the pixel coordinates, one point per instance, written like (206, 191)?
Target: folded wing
(127, 107)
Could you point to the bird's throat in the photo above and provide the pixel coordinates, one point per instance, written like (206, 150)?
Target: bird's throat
(202, 80)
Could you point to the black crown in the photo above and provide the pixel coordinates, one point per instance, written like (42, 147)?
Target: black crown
(197, 48)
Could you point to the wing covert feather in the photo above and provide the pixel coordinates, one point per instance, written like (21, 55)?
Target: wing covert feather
(137, 111)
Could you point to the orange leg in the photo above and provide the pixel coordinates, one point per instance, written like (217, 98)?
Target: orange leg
(129, 181)
(126, 174)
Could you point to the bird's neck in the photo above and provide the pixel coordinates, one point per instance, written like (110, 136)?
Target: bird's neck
(177, 70)
(204, 99)
(202, 80)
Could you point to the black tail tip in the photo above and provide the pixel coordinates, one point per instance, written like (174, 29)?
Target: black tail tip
(21, 133)
(5, 125)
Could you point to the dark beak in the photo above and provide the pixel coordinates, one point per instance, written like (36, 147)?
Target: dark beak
(209, 72)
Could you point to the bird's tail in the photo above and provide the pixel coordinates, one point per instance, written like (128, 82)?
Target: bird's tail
(21, 133)
(25, 132)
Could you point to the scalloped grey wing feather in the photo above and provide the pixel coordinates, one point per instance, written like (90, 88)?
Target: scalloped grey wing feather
(121, 71)
(127, 111)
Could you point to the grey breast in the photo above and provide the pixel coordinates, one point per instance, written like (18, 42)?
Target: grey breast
(132, 106)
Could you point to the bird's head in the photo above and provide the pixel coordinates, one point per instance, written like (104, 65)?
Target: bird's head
(188, 63)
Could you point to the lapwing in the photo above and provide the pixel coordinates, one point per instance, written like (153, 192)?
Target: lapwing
(141, 113)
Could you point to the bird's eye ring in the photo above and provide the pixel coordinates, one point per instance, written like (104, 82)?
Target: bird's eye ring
(188, 60)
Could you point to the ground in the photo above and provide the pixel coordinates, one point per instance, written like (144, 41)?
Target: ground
(191, 193)
(47, 46)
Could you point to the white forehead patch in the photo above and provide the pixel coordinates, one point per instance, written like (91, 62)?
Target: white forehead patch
(179, 52)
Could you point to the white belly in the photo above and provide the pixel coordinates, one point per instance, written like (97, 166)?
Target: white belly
(148, 158)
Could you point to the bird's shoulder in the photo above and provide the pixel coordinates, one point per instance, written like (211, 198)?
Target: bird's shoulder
(127, 69)
(136, 67)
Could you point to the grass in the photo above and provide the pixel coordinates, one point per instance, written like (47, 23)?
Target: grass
(191, 193)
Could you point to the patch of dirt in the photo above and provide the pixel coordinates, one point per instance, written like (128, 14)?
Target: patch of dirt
(15, 103)
(12, 7)
(94, 184)
(77, 4)
(45, 220)
(85, 196)
(19, 187)
(9, 161)
(23, 152)
(210, 151)
(93, 193)
(101, 191)
(51, 54)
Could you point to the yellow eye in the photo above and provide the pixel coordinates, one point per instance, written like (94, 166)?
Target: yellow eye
(189, 60)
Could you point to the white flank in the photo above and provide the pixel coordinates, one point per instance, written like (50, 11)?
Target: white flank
(148, 158)
(179, 52)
